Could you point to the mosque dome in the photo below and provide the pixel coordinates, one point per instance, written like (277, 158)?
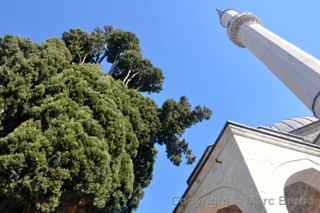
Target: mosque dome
(291, 124)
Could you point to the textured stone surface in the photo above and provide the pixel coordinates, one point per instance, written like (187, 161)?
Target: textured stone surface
(230, 209)
(302, 198)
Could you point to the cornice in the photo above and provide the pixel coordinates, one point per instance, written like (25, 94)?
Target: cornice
(236, 23)
(283, 140)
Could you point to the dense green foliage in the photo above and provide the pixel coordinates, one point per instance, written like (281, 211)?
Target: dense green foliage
(74, 135)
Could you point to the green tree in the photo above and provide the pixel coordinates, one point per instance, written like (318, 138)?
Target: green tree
(76, 138)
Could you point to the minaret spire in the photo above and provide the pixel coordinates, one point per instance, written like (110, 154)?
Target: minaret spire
(298, 70)
(220, 12)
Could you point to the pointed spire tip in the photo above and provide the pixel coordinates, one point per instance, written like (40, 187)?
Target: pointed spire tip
(220, 12)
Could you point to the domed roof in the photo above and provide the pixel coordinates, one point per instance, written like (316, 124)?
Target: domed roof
(290, 124)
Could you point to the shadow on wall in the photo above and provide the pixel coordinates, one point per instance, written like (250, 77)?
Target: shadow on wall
(220, 190)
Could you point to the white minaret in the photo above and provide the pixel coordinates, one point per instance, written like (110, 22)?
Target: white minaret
(296, 68)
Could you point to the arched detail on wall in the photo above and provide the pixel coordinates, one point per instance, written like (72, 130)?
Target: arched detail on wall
(230, 209)
(308, 176)
(224, 197)
(227, 209)
(302, 192)
(288, 169)
(303, 164)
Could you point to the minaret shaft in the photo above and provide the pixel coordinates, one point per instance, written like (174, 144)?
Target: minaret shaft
(299, 71)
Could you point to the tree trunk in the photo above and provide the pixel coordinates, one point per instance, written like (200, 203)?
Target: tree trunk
(70, 206)
(74, 207)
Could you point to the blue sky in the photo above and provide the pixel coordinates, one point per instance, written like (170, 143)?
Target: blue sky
(185, 39)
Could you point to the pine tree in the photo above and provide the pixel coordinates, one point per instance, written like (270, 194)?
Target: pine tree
(76, 138)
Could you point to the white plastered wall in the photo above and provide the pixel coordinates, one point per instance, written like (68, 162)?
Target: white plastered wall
(254, 171)
(223, 184)
(272, 161)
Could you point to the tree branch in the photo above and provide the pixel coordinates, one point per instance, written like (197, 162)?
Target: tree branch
(126, 78)
(113, 66)
(79, 62)
(84, 59)
(130, 79)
